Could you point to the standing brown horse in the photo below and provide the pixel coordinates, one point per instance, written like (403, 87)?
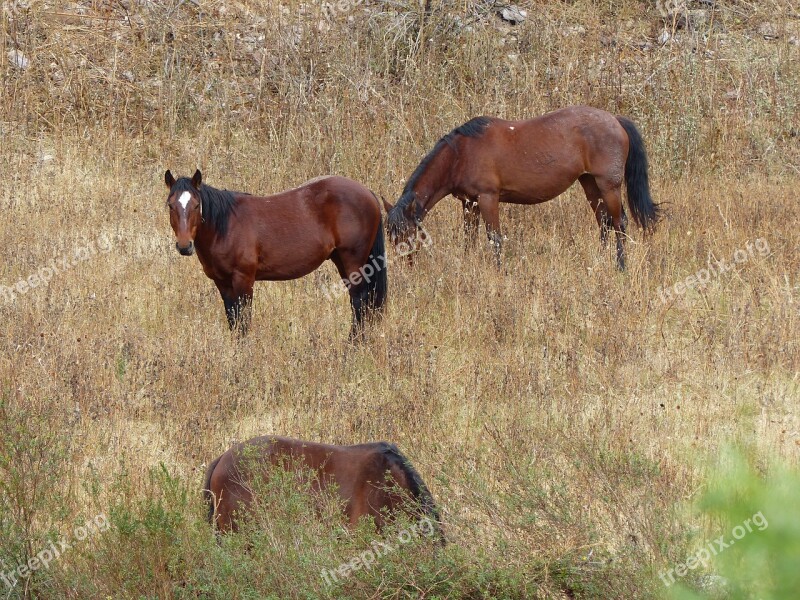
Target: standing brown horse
(241, 238)
(371, 479)
(487, 161)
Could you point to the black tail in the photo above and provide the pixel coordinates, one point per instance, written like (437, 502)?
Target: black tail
(378, 283)
(418, 488)
(207, 495)
(645, 212)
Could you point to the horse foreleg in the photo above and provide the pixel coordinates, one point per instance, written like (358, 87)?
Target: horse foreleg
(228, 299)
(244, 308)
(471, 221)
(238, 299)
(230, 311)
(489, 206)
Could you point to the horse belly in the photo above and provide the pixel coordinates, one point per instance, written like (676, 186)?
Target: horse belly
(291, 257)
(533, 187)
(279, 268)
(514, 197)
(539, 175)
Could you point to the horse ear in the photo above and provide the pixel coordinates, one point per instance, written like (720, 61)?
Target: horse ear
(386, 205)
(197, 179)
(169, 179)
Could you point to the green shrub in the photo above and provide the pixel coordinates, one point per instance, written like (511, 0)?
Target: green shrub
(755, 552)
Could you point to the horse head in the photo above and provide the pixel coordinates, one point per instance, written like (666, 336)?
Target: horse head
(185, 209)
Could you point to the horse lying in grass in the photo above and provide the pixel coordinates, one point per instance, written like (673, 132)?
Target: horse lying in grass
(487, 161)
(373, 479)
(241, 238)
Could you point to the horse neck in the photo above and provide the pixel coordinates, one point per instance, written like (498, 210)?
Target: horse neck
(436, 181)
(206, 233)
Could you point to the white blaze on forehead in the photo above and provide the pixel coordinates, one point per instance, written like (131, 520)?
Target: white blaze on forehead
(184, 199)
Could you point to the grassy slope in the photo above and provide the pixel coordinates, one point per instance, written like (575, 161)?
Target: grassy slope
(560, 412)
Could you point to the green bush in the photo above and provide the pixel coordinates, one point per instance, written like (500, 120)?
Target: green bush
(755, 552)
(33, 454)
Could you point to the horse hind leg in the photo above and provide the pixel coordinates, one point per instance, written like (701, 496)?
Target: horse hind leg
(358, 301)
(595, 198)
(613, 201)
(353, 278)
(605, 199)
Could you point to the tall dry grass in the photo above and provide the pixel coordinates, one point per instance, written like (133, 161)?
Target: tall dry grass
(562, 414)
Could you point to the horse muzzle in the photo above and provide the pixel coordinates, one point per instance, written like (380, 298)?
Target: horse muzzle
(185, 250)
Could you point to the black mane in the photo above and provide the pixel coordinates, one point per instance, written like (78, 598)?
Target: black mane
(418, 488)
(217, 204)
(472, 128)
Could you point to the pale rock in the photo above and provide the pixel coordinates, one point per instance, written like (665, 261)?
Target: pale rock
(768, 30)
(18, 59)
(513, 14)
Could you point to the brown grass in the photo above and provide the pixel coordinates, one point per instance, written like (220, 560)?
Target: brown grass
(556, 409)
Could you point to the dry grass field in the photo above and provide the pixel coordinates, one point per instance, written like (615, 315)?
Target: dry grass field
(567, 417)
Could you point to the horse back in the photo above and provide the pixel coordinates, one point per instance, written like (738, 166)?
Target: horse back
(370, 478)
(340, 197)
(537, 159)
(289, 234)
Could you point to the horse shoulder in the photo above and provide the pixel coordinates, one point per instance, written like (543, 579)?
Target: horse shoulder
(479, 162)
(384, 468)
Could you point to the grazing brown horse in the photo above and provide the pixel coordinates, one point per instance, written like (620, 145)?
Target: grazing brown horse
(371, 479)
(487, 161)
(241, 238)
